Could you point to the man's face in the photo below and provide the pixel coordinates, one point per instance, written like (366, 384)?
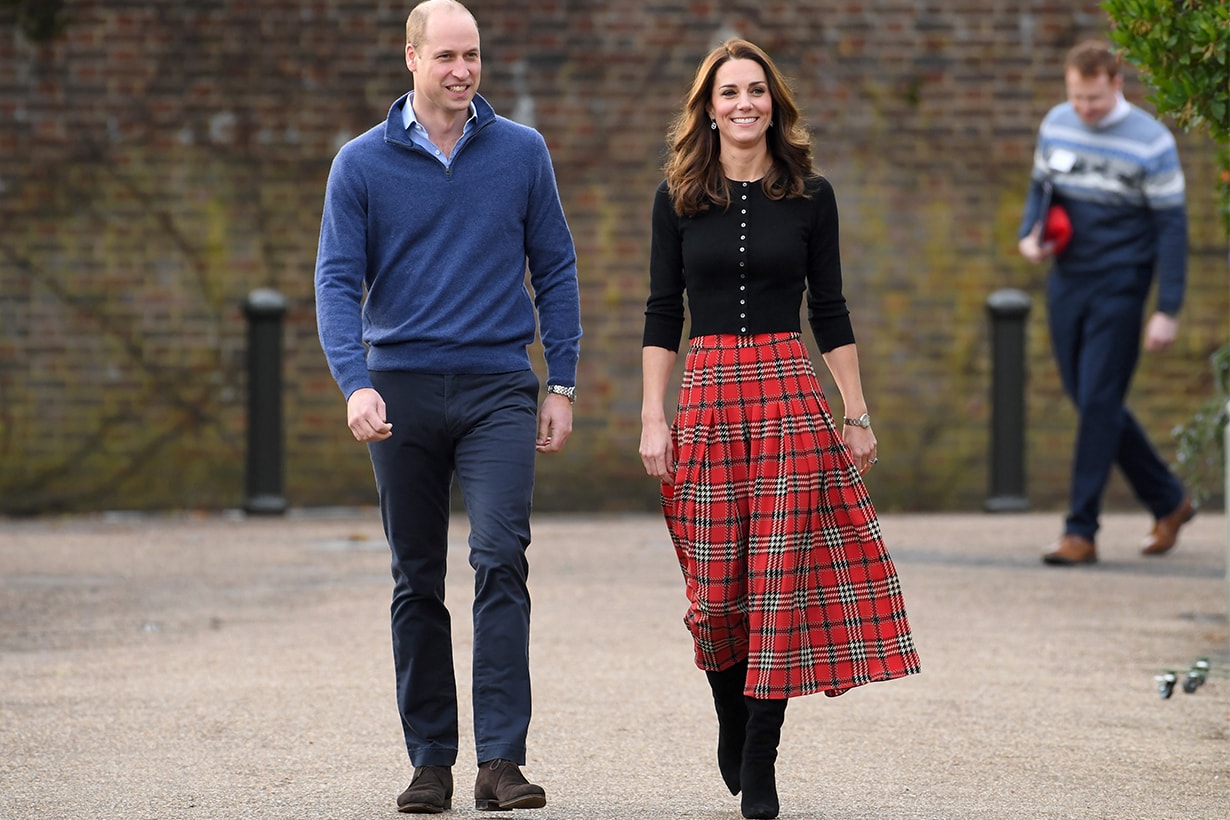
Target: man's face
(1092, 97)
(446, 65)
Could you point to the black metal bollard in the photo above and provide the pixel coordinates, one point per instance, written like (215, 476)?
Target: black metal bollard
(1008, 309)
(265, 308)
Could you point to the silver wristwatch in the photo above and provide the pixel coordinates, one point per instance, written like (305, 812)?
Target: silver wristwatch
(569, 393)
(862, 421)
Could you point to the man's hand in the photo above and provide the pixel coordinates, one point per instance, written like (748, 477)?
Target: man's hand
(1160, 332)
(366, 416)
(1033, 248)
(554, 423)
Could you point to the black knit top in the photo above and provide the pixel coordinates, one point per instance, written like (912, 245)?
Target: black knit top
(745, 269)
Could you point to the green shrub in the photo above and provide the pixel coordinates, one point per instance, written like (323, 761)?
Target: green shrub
(1182, 50)
(1200, 441)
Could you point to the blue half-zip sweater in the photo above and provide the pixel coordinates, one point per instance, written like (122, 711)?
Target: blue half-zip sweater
(441, 254)
(1123, 188)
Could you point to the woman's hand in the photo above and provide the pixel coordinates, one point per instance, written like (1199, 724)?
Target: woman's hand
(862, 445)
(658, 451)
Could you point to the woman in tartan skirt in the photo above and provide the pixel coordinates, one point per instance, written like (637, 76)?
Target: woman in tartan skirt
(789, 586)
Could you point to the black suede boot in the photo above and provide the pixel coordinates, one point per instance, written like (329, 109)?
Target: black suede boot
(764, 731)
(731, 707)
(500, 786)
(430, 791)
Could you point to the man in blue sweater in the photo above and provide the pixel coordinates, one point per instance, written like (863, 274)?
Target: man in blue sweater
(1115, 172)
(430, 220)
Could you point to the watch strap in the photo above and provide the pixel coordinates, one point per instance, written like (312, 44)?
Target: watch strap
(568, 392)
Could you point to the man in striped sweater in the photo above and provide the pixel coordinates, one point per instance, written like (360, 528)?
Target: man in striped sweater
(1114, 173)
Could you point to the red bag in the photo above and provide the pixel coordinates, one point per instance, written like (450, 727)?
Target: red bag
(1058, 229)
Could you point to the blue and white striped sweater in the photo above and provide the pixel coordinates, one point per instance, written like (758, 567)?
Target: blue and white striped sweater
(1123, 188)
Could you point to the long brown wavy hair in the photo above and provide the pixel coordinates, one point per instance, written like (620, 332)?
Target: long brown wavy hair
(694, 175)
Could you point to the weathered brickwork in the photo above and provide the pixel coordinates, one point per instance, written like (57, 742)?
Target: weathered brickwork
(166, 158)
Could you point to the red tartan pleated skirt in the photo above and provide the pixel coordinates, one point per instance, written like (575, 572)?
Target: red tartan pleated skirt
(779, 544)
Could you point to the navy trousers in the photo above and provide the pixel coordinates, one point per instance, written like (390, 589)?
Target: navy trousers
(481, 429)
(1095, 325)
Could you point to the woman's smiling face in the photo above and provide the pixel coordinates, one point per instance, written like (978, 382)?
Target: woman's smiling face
(740, 103)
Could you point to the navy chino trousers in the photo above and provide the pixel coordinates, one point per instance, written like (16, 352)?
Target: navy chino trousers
(1095, 324)
(479, 429)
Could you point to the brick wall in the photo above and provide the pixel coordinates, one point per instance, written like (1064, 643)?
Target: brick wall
(166, 158)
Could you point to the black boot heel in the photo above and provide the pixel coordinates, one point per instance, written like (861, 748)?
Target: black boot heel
(757, 775)
(731, 707)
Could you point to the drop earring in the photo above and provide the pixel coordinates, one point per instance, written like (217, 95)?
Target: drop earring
(712, 125)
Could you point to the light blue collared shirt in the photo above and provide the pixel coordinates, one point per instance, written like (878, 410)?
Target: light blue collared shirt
(418, 134)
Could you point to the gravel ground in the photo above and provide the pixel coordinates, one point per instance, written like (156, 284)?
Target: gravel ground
(230, 667)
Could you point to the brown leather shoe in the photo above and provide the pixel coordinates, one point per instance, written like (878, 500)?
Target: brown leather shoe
(1072, 549)
(1166, 530)
(501, 786)
(430, 791)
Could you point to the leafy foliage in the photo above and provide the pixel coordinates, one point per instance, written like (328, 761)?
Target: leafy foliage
(1201, 443)
(1182, 49)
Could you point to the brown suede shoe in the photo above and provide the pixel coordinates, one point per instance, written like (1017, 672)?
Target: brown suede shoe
(1072, 549)
(430, 791)
(1166, 530)
(501, 786)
